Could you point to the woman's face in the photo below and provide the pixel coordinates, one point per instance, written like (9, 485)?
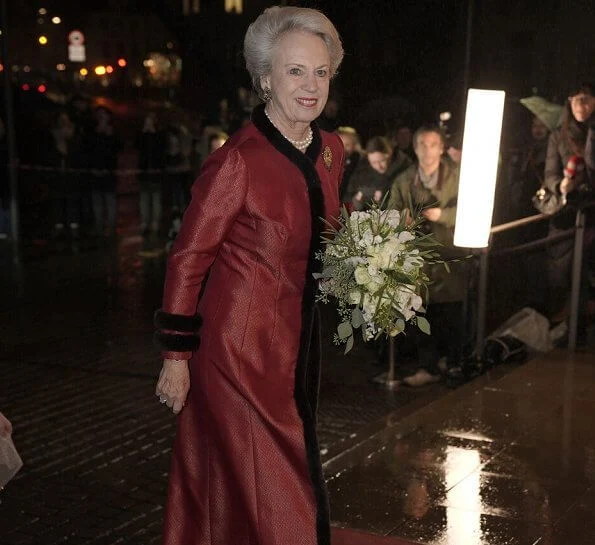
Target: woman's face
(582, 106)
(379, 161)
(300, 77)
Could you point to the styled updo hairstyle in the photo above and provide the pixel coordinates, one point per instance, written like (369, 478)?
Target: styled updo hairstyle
(263, 35)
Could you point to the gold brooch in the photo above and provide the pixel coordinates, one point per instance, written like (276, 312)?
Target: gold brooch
(327, 156)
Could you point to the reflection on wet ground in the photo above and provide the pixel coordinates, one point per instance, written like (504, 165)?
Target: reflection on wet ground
(505, 462)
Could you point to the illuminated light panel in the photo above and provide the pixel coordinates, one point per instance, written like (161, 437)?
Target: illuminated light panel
(479, 167)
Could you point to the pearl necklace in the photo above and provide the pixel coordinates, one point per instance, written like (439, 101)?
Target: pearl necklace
(302, 145)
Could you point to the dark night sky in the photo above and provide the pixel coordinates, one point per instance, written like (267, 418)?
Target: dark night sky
(416, 48)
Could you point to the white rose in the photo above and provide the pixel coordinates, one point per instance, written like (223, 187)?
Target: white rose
(362, 277)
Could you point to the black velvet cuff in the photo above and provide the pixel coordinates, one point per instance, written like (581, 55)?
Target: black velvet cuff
(177, 322)
(176, 343)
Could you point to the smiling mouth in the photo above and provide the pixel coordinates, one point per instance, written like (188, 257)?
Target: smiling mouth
(307, 102)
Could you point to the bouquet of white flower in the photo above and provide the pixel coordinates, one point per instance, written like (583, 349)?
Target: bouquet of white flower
(373, 266)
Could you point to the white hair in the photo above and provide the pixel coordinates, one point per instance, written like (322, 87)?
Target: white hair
(264, 33)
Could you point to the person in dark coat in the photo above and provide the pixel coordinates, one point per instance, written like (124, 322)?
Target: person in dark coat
(353, 155)
(151, 149)
(246, 465)
(61, 181)
(565, 173)
(103, 159)
(373, 178)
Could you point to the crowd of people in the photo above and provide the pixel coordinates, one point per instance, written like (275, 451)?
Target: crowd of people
(81, 150)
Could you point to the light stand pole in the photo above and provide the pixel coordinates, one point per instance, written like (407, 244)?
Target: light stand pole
(11, 140)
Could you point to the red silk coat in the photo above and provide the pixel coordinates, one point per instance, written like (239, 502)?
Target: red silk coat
(246, 468)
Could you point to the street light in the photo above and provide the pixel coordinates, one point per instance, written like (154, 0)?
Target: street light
(43, 40)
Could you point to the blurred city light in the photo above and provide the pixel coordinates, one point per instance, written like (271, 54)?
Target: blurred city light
(42, 11)
(42, 88)
(25, 87)
(61, 67)
(83, 72)
(100, 70)
(26, 69)
(479, 167)
(1, 67)
(56, 20)
(43, 40)
(109, 69)
(122, 63)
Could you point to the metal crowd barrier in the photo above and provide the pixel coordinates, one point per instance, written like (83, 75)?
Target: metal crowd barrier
(578, 231)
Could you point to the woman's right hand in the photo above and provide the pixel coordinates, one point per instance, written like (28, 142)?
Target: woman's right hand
(173, 384)
(566, 186)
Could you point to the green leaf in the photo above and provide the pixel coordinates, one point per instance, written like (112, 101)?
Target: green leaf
(357, 318)
(344, 330)
(349, 344)
(423, 325)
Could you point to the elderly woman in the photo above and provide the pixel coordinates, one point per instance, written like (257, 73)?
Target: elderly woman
(245, 466)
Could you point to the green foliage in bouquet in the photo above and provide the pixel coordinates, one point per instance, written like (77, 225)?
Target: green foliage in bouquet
(373, 266)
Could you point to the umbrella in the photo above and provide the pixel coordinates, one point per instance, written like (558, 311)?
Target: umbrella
(547, 112)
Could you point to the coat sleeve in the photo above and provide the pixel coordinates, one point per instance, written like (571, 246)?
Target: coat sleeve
(218, 196)
(554, 170)
(397, 199)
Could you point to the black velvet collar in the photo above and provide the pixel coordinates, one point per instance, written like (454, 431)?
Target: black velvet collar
(275, 137)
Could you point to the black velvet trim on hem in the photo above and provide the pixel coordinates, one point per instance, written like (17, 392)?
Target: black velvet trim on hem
(176, 343)
(177, 322)
(305, 368)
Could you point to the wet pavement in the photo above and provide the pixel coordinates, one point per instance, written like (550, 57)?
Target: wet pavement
(507, 459)
(497, 462)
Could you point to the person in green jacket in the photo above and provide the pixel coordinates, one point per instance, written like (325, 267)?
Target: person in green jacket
(433, 184)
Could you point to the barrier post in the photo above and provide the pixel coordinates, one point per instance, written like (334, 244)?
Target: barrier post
(577, 265)
(482, 291)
